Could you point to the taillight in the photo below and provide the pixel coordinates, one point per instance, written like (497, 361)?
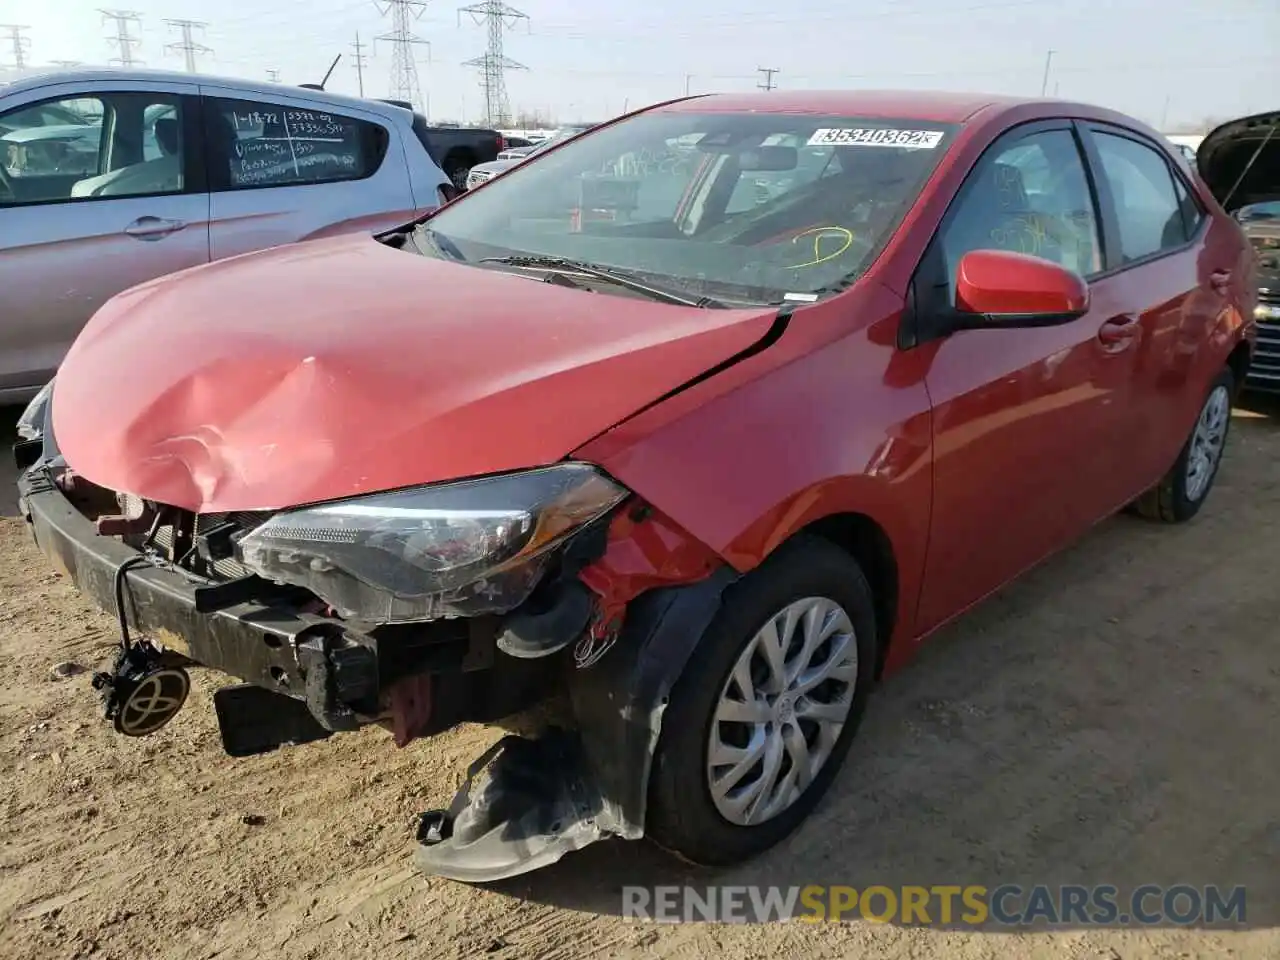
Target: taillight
(502, 143)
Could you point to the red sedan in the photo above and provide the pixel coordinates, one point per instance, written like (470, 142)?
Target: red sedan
(708, 417)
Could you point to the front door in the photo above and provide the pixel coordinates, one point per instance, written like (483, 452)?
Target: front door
(97, 194)
(1024, 419)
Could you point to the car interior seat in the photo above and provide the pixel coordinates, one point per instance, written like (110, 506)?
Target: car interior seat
(161, 175)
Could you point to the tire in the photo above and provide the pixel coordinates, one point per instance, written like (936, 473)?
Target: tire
(457, 175)
(683, 816)
(1182, 492)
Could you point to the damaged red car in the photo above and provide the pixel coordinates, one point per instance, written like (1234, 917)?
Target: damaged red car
(702, 420)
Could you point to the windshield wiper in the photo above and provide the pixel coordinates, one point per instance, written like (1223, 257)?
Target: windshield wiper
(618, 278)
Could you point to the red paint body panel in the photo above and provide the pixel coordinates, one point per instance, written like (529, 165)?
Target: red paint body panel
(1001, 282)
(339, 367)
(343, 367)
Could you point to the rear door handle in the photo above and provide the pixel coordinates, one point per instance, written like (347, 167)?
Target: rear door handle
(153, 228)
(1220, 280)
(1119, 331)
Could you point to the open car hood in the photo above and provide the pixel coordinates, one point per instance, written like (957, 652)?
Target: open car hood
(1240, 160)
(339, 367)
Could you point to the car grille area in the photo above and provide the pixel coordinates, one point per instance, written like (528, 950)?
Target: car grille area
(199, 526)
(1264, 370)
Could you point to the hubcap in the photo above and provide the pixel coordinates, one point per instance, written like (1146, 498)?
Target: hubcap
(781, 710)
(1207, 442)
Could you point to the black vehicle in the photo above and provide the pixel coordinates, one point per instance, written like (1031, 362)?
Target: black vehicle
(457, 149)
(1243, 156)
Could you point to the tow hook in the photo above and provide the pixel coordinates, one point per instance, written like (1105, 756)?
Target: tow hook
(141, 693)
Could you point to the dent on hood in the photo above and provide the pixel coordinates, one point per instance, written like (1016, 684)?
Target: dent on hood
(319, 372)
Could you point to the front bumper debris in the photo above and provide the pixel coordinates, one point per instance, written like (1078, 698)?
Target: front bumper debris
(344, 676)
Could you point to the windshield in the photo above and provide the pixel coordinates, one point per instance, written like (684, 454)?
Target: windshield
(745, 207)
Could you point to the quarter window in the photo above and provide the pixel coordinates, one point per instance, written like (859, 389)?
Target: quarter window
(1148, 208)
(1030, 196)
(91, 148)
(258, 144)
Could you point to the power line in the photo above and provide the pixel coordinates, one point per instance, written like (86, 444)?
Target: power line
(123, 40)
(498, 17)
(19, 44)
(404, 69)
(359, 62)
(768, 77)
(188, 46)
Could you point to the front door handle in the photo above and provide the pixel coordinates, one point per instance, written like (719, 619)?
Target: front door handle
(153, 228)
(1119, 331)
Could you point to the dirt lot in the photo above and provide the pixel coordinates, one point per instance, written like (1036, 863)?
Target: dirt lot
(1111, 719)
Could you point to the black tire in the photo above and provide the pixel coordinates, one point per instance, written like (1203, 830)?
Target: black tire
(457, 172)
(1167, 501)
(682, 816)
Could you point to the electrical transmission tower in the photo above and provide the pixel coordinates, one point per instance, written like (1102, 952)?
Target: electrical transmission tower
(404, 69)
(188, 46)
(65, 63)
(273, 74)
(359, 62)
(768, 77)
(497, 17)
(20, 44)
(124, 41)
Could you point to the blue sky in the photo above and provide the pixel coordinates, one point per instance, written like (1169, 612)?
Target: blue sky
(1177, 62)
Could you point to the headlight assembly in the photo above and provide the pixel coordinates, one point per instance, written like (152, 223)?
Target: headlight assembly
(31, 423)
(457, 549)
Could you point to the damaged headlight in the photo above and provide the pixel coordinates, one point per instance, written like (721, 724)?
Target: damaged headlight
(456, 549)
(31, 423)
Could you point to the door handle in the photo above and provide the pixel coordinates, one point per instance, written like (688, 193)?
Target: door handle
(153, 228)
(1220, 280)
(1119, 331)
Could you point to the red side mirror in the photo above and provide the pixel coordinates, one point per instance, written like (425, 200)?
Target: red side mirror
(1000, 284)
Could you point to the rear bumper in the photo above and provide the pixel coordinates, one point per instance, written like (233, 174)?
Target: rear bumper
(345, 676)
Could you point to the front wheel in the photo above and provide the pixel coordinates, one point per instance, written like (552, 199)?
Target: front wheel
(1182, 492)
(764, 713)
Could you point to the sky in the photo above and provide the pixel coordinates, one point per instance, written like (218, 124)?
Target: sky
(1172, 64)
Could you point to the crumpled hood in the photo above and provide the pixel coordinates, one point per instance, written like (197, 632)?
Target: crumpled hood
(1248, 147)
(339, 367)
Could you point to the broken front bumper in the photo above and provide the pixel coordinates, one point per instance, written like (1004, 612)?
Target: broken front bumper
(345, 677)
(527, 802)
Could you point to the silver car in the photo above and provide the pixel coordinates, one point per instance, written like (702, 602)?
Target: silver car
(109, 178)
(517, 155)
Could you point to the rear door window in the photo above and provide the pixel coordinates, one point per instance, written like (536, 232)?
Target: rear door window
(255, 143)
(1148, 209)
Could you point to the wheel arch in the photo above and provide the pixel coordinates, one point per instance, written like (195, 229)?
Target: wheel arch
(458, 156)
(1239, 359)
(860, 536)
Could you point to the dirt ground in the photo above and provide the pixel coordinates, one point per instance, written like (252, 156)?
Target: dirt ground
(1110, 719)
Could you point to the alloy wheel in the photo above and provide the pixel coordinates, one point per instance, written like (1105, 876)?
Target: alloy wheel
(781, 710)
(1207, 442)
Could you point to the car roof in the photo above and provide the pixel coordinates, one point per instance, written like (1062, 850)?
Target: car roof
(929, 105)
(138, 75)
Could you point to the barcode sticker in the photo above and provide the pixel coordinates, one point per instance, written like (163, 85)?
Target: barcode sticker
(875, 137)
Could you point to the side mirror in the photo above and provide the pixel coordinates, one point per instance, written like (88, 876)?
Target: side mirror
(999, 288)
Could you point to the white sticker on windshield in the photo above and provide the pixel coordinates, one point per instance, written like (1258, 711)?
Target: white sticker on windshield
(875, 137)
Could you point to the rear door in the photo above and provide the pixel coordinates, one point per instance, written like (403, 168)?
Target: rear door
(95, 203)
(1026, 421)
(283, 169)
(1165, 271)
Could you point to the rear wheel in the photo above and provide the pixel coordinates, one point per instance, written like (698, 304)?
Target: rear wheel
(457, 169)
(764, 713)
(1182, 492)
